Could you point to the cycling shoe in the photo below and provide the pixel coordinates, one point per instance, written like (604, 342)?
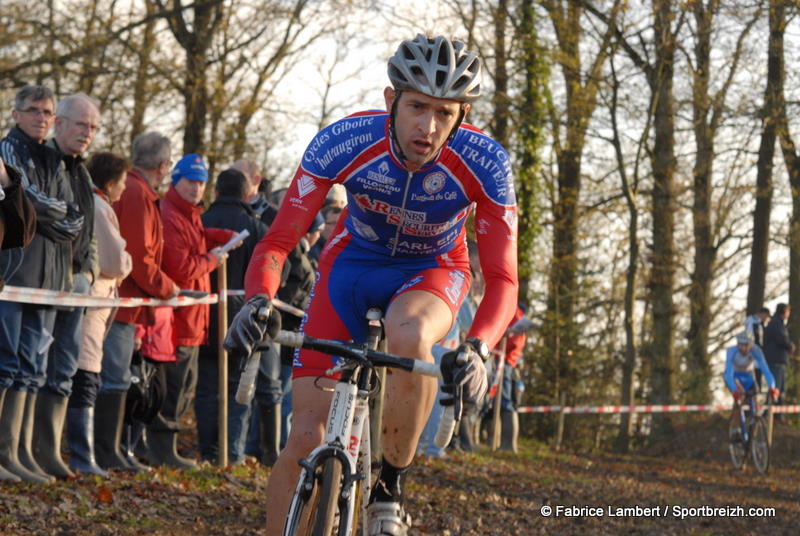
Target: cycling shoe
(387, 519)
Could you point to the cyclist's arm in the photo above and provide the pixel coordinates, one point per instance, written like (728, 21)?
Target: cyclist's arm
(304, 198)
(496, 227)
(729, 368)
(758, 355)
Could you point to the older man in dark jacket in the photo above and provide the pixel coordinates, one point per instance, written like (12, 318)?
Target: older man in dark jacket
(777, 346)
(26, 329)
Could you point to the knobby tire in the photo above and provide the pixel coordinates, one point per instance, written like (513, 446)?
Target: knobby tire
(737, 448)
(325, 516)
(759, 446)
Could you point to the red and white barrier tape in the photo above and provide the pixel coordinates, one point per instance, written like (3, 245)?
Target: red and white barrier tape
(67, 299)
(54, 297)
(642, 409)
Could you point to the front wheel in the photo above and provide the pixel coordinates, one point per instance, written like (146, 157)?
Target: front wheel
(737, 445)
(759, 446)
(326, 517)
(313, 511)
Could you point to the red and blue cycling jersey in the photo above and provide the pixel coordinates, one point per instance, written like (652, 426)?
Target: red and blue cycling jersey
(401, 216)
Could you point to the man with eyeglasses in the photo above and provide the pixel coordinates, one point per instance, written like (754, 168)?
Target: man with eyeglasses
(26, 329)
(76, 123)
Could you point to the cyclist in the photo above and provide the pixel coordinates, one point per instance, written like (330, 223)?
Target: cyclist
(739, 364)
(412, 176)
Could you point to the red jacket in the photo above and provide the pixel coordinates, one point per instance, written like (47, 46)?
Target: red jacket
(188, 263)
(140, 226)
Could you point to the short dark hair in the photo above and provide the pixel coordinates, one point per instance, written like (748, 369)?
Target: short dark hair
(35, 93)
(232, 183)
(780, 308)
(105, 167)
(764, 310)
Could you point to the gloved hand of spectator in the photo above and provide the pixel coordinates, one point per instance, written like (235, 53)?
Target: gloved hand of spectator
(463, 366)
(774, 393)
(256, 320)
(738, 395)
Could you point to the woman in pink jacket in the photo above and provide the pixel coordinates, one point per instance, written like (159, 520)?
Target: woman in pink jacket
(108, 173)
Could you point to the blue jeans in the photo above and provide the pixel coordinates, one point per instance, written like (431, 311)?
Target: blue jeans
(426, 445)
(207, 410)
(25, 336)
(779, 373)
(509, 379)
(115, 375)
(62, 363)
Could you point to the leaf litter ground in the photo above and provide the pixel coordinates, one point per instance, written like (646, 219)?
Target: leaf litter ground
(464, 494)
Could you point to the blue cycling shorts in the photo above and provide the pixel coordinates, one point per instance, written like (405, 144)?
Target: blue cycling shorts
(352, 280)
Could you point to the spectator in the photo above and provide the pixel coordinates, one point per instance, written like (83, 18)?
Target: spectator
(188, 261)
(330, 215)
(230, 210)
(777, 347)
(17, 216)
(26, 329)
(515, 338)
(337, 196)
(77, 121)
(755, 324)
(108, 172)
(258, 188)
(141, 228)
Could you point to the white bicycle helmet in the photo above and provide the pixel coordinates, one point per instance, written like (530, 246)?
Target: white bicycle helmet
(436, 67)
(745, 337)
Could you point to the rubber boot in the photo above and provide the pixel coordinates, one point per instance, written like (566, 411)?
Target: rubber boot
(163, 450)
(509, 431)
(5, 474)
(269, 430)
(108, 414)
(131, 433)
(80, 437)
(51, 410)
(25, 450)
(10, 431)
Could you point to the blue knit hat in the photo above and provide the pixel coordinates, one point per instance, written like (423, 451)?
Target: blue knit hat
(190, 167)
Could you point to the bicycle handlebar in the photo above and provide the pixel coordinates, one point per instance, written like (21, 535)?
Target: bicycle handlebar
(358, 352)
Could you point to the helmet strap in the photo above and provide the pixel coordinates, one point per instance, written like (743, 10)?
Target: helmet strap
(392, 131)
(462, 112)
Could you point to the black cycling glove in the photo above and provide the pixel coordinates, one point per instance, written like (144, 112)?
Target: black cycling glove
(254, 322)
(464, 367)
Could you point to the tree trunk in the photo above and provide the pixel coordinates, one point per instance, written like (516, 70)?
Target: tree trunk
(662, 278)
(756, 289)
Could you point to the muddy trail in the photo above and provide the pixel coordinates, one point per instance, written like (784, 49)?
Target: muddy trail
(683, 486)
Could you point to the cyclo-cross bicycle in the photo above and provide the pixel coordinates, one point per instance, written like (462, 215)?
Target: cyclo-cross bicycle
(335, 480)
(748, 433)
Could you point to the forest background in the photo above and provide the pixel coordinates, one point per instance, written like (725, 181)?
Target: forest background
(654, 148)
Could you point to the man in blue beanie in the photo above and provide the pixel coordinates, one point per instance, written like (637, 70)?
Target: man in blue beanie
(191, 253)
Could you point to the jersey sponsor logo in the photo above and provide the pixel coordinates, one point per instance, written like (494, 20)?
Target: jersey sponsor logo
(454, 290)
(510, 217)
(411, 247)
(305, 185)
(379, 180)
(347, 146)
(482, 226)
(428, 229)
(410, 283)
(394, 215)
(434, 182)
(487, 154)
(441, 196)
(364, 230)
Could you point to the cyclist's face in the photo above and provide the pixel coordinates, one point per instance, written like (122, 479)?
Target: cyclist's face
(422, 124)
(744, 348)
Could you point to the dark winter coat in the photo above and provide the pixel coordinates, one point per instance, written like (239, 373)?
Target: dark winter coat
(777, 346)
